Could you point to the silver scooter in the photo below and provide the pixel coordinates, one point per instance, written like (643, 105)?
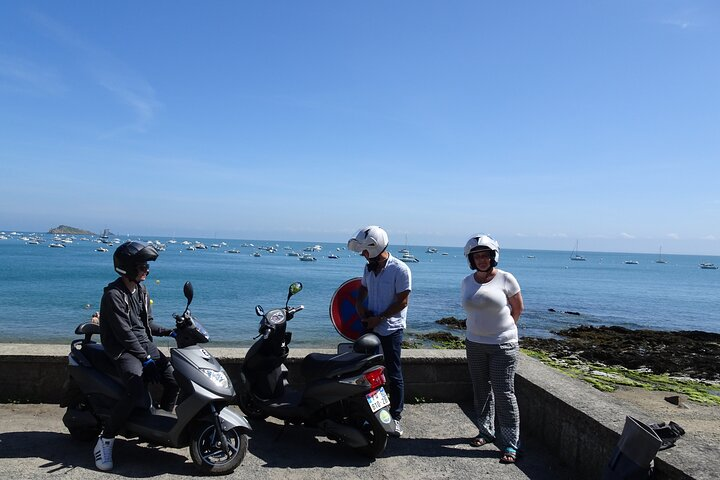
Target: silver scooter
(216, 435)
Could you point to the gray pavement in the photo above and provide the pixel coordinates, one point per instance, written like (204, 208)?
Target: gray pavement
(34, 444)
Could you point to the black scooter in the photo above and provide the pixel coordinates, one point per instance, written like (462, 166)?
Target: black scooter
(343, 393)
(216, 435)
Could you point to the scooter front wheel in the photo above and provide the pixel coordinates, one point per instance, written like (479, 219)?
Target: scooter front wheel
(206, 449)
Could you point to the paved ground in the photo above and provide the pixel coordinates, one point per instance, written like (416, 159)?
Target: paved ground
(34, 444)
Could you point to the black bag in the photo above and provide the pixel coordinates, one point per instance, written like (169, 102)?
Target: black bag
(633, 456)
(668, 433)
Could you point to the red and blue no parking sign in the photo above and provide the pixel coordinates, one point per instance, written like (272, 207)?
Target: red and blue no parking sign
(343, 314)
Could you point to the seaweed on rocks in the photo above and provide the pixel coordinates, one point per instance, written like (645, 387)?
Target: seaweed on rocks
(679, 353)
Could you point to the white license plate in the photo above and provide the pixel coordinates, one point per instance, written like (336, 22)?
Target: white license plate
(377, 399)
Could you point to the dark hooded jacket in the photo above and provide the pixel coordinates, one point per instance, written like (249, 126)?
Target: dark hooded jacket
(119, 326)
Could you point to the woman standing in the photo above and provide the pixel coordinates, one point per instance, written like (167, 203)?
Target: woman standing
(492, 300)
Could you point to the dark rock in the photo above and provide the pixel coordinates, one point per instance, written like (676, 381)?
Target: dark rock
(452, 322)
(685, 353)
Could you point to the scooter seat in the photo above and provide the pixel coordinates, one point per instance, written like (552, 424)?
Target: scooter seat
(95, 354)
(327, 365)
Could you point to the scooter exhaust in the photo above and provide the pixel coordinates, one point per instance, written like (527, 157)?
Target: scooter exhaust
(352, 437)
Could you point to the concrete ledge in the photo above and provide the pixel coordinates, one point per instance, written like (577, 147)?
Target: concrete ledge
(579, 424)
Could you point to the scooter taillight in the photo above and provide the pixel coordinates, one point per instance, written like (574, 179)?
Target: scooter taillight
(375, 377)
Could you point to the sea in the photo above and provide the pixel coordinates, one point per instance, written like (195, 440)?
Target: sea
(45, 292)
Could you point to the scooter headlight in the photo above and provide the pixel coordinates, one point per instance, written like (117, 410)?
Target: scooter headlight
(275, 317)
(217, 377)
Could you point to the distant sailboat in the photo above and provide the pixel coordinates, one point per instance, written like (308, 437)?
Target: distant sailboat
(660, 259)
(575, 256)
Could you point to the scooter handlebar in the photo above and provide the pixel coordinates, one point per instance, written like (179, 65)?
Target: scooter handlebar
(291, 311)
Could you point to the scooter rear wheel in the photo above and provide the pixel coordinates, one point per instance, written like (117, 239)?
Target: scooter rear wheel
(376, 435)
(250, 408)
(80, 421)
(207, 453)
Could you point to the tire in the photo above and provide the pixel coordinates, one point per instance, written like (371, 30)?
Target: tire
(207, 453)
(79, 418)
(376, 436)
(250, 408)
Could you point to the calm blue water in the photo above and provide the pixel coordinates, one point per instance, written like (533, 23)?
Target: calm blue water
(45, 292)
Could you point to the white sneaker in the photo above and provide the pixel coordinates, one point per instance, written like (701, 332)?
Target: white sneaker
(103, 453)
(398, 429)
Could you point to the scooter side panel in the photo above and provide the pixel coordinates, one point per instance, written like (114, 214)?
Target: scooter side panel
(327, 392)
(92, 382)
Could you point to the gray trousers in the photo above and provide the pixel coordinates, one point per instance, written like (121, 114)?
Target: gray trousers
(492, 371)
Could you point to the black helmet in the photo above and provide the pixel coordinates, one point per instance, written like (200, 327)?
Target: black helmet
(131, 254)
(368, 343)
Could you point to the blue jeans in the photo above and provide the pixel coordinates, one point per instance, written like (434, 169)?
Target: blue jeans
(130, 370)
(392, 347)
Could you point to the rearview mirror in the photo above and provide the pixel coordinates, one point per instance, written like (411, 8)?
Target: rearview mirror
(295, 287)
(259, 311)
(188, 292)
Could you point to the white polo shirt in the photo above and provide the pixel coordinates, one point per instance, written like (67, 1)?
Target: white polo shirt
(394, 278)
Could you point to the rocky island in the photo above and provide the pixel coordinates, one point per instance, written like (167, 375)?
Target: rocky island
(64, 229)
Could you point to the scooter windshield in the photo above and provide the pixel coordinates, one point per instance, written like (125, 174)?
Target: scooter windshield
(201, 330)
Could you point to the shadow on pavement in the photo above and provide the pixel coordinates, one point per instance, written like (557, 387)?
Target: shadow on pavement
(64, 454)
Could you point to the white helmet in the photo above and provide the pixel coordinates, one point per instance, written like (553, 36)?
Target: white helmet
(479, 242)
(372, 238)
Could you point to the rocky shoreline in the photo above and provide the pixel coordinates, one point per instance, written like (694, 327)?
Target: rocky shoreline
(608, 357)
(692, 354)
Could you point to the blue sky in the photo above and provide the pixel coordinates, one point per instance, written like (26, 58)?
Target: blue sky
(541, 123)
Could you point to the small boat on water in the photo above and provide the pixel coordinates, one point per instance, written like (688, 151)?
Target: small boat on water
(56, 245)
(408, 257)
(101, 249)
(332, 255)
(575, 256)
(708, 266)
(306, 257)
(631, 262)
(660, 259)
(233, 250)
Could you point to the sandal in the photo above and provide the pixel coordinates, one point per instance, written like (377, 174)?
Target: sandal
(479, 441)
(509, 455)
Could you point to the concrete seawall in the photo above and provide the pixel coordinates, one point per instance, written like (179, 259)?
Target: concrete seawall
(579, 424)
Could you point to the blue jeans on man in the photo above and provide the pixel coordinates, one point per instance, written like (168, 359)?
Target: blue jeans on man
(392, 347)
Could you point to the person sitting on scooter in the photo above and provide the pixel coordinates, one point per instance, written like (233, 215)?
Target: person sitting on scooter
(126, 333)
(386, 284)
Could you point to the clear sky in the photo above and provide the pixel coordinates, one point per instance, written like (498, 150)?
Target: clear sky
(539, 122)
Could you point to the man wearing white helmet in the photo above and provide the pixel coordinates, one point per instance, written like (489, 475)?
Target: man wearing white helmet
(492, 300)
(386, 285)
